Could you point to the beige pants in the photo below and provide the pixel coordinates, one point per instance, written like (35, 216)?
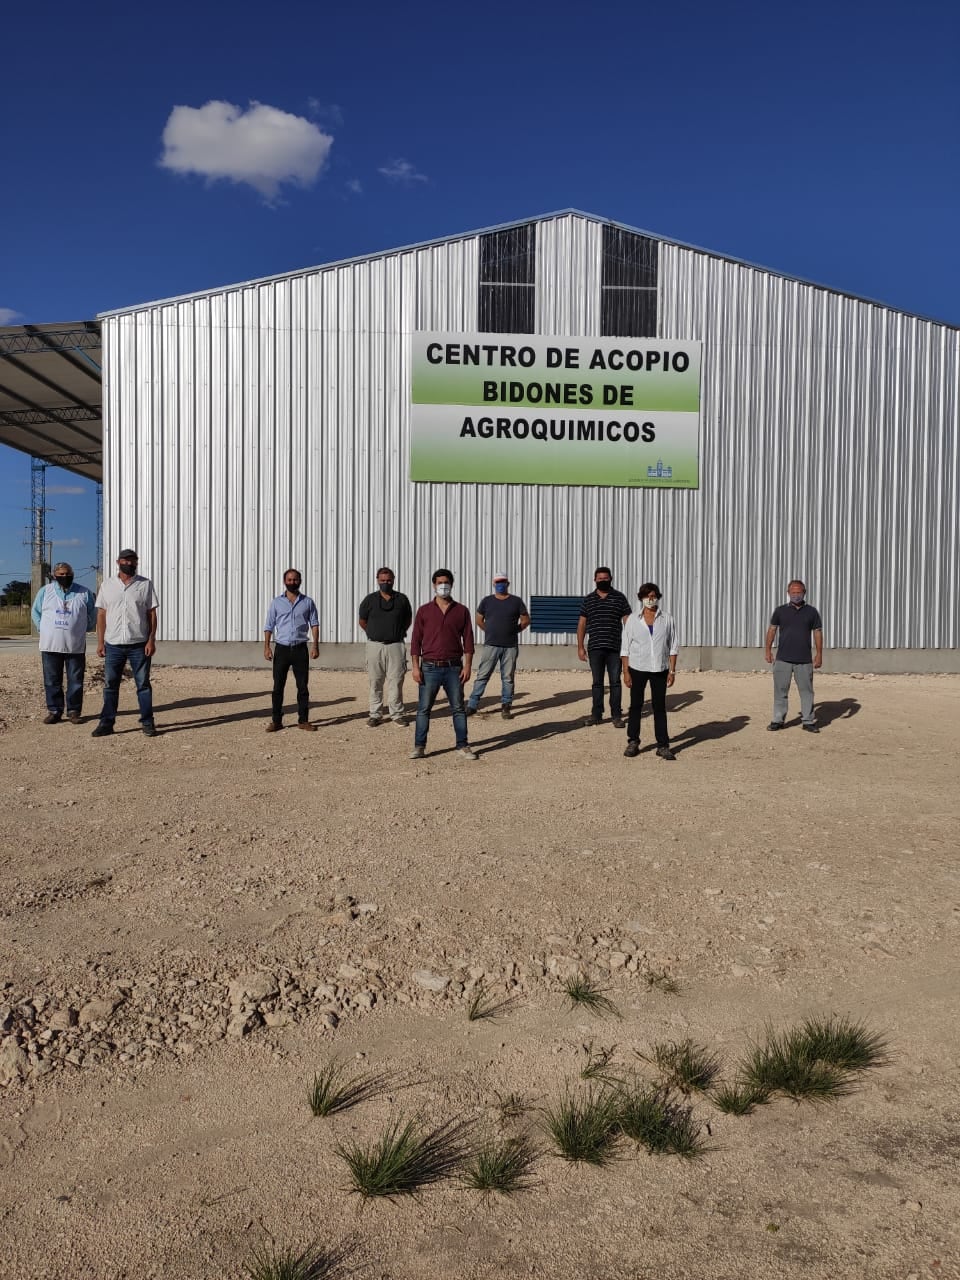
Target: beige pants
(386, 665)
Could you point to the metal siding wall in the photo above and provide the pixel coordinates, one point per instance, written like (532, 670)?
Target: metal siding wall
(268, 425)
(829, 451)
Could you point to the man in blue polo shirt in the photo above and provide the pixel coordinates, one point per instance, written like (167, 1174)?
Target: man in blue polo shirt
(796, 626)
(290, 619)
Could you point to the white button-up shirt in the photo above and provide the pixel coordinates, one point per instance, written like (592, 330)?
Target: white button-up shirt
(646, 650)
(127, 607)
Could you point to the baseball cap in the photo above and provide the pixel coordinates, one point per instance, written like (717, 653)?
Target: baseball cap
(501, 577)
(127, 551)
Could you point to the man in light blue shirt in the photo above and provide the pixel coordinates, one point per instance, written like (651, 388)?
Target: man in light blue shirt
(291, 618)
(63, 613)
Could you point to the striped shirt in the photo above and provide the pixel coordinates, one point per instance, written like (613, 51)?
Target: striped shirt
(605, 617)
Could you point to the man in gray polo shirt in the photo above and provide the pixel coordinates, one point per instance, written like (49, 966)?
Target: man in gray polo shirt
(126, 632)
(794, 625)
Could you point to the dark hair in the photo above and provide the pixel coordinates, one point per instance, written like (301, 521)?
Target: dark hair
(383, 569)
(649, 588)
(441, 573)
(296, 571)
(796, 582)
(603, 569)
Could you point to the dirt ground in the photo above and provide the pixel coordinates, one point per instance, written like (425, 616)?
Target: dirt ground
(190, 925)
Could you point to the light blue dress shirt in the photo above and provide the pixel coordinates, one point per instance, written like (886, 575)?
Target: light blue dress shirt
(291, 623)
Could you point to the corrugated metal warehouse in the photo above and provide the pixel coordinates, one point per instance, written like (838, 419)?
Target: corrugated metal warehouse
(269, 424)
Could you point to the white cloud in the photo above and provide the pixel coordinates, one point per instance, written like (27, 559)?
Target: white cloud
(402, 171)
(8, 315)
(65, 488)
(329, 113)
(355, 187)
(68, 542)
(262, 146)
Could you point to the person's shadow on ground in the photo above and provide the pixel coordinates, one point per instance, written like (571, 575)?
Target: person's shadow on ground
(709, 731)
(261, 713)
(827, 712)
(533, 733)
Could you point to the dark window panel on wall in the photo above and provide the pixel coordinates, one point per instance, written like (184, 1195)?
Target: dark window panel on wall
(509, 257)
(628, 259)
(628, 313)
(507, 308)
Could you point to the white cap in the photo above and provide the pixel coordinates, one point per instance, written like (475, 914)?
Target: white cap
(501, 577)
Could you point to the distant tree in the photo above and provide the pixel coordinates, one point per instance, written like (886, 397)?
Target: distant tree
(17, 592)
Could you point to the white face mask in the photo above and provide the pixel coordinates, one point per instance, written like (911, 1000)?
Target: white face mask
(443, 589)
(651, 602)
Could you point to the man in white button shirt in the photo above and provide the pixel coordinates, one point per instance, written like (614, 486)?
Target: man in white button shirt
(126, 632)
(649, 655)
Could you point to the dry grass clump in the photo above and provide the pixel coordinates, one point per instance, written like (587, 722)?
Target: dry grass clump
(405, 1158)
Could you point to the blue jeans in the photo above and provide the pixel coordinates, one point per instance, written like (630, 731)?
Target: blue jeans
(434, 679)
(54, 665)
(117, 657)
(606, 662)
(490, 658)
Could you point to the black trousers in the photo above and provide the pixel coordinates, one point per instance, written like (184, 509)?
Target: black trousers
(606, 662)
(295, 658)
(658, 696)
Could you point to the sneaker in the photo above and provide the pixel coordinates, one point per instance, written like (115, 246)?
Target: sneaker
(619, 722)
(810, 728)
(149, 730)
(470, 711)
(418, 753)
(506, 713)
(52, 717)
(592, 720)
(373, 722)
(633, 749)
(775, 724)
(402, 721)
(467, 753)
(102, 731)
(307, 726)
(74, 717)
(274, 726)
(665, 753)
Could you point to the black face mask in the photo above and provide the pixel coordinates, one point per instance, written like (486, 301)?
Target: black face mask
(386, 588)
(605, 586)
(129, 567)
(64, 580)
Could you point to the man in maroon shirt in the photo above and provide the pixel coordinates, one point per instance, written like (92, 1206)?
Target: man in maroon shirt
(441, 647)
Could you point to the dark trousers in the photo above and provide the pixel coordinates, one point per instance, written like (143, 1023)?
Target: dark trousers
(116, 658)
(658, 696)
(54, 665)
(434, 679)
(291, 657)
(606, 662)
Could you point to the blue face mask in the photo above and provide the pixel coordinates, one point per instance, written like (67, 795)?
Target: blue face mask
(501, 588)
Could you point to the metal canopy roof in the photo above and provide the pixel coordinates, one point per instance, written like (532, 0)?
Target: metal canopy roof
(50, 394)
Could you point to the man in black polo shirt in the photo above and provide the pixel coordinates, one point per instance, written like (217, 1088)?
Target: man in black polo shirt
(602, 615)
(385, 616)
(796, 624)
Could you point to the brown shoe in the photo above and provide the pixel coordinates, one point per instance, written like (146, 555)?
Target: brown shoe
(51, 718)
(274, 726)
(305, 724)
(74, 717)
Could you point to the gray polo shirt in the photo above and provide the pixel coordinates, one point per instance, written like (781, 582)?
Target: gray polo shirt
(127, 606)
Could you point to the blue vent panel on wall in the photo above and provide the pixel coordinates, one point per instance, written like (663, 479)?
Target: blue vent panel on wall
(555, 613)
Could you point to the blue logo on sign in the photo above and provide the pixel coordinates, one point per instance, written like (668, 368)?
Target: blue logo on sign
(659, 472)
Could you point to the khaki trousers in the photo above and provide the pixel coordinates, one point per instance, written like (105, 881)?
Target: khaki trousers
(386, 667)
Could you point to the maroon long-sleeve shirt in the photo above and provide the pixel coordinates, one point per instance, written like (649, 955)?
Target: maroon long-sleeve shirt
(441, 636)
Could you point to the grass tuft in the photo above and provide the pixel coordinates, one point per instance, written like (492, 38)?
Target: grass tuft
(405, 1158)
(844, 1044)
(598, 1060)
(584, 1128)
(485, 1004)
(333, 1090)
(581, 990)
(662, 982)
(648, 1115)
(737, 1099)
(501, 1165)
(279, 1262)
(512, 1105)
(818, 1060)
(686, 1066)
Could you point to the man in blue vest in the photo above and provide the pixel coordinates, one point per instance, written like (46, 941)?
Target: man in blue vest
(63, 613)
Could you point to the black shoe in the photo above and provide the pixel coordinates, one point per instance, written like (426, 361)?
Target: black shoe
(149, 730)
(470, 711)
(591, 720)
(665, 753)
(402, 721)
(506, 713)
(810, 728)
(619, 722)
(102, 731)
(374, 721)
(633, 749)
(775, 724)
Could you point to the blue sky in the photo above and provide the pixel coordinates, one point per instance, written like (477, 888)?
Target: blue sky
(822, 142)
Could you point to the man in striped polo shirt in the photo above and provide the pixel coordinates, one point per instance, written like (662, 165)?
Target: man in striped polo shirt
(602, 615)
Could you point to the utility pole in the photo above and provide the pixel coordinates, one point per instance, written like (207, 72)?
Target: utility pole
(99, 565)
(40, 548)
